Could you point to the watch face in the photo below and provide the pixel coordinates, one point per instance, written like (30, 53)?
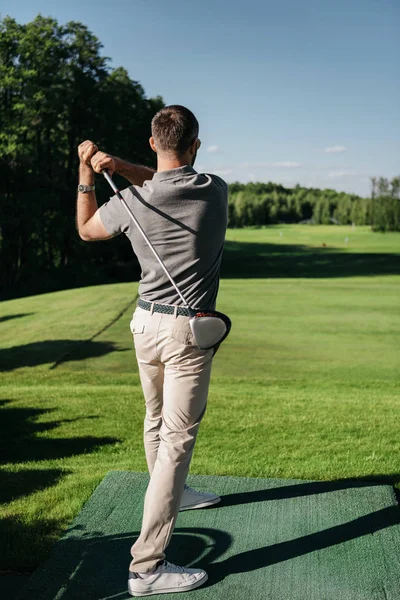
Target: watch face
(85, 188)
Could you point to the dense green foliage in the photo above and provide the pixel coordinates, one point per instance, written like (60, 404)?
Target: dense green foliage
(385, 204)
(56, 90)
(269, 203)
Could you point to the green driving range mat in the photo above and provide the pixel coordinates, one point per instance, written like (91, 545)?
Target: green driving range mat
(272, 539)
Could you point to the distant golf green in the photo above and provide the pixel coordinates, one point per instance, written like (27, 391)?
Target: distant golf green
(306, 386)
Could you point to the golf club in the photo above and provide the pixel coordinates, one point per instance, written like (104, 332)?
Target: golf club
(209, 327)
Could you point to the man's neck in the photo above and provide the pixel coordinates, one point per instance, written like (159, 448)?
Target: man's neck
(166, 164)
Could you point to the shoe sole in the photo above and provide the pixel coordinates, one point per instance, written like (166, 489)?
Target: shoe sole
(201, 505)
(182, 588)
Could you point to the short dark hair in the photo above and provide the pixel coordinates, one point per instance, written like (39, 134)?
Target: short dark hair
(174, 128)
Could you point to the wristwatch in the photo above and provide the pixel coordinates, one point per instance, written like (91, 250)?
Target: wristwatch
(85, 188)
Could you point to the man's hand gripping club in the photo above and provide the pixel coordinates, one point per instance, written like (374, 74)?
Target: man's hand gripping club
(88, 221)
(99, 161)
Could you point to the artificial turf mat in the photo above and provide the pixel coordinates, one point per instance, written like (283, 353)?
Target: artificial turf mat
(268, 539)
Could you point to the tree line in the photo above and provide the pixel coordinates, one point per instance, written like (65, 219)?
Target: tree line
(56, 90)
(257, 204)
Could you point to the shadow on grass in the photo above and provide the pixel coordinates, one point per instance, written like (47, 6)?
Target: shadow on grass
(53, 351)
(11, 584)
(18, 316)
(21, 441)
(239, 260)
(16, 484)
(16, 535)
(248, 260)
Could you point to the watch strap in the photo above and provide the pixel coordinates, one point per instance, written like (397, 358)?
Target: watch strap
(86, 188)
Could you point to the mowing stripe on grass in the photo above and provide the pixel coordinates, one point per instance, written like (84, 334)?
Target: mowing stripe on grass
(102, 330)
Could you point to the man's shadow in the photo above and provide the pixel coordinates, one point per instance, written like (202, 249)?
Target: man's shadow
(99, 563)
(270, 554)
(93, 566)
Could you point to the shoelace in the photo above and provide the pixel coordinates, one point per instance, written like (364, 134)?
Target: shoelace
(174, 568)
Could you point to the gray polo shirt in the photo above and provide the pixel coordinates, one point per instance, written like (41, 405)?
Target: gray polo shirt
(184, 214)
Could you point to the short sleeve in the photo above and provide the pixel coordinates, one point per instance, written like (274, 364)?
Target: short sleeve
(114, 216)
(219, 182)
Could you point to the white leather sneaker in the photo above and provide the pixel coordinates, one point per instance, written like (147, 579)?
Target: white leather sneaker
(193, 499)
(165, 579)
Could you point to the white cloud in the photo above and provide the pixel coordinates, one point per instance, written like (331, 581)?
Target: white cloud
(335, 149)
(342, 177)
(213, 149)
(334, 174)
(221, 171)
(329, 167)
(284, 165)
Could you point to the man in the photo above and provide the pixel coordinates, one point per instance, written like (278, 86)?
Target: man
(184, 214)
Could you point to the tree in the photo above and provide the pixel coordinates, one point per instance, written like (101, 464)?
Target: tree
(385, 209)
(269, 203)
(55, 91)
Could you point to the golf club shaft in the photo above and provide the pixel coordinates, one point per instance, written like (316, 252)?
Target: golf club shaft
(120, 197)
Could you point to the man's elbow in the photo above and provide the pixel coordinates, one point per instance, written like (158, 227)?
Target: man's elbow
(83, 235)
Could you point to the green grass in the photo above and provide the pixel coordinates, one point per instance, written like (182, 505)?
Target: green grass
(359, 239)
(306, 386)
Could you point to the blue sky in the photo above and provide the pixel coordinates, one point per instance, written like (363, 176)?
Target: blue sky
(288, 91)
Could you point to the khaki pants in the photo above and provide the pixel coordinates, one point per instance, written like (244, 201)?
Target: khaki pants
(175, 376)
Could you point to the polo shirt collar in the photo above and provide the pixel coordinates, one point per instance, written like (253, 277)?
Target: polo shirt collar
(174, 173)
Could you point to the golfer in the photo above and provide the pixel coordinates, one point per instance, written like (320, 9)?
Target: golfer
(184, 214)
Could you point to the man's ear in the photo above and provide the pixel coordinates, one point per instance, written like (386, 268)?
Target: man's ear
(152, 144)
(194, 146)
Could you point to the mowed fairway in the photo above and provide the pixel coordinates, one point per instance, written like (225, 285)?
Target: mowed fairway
(307, 385)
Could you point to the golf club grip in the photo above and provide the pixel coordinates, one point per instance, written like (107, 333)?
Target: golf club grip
(112, 184)
(120, 197)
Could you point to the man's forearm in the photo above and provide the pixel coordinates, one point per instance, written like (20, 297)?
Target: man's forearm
(136, 174)
(86, 204)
